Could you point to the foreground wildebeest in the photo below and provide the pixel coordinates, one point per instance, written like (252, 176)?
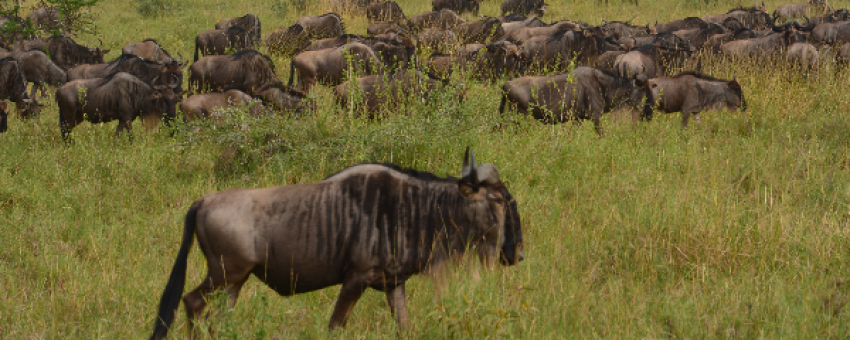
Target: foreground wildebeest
(329, 66)
(205, 105)
(370, 225)
(152, 73)
(323, 26)
(445, 18)
(218, 42)
(249, 22)
(285, 99)
(288, 41)
(385, 11)
(382, 93)
(67, 54)
(149, 50)
(791, 11)
(13, 86)
(459, 6)
(121, 96)
(618, 30)
(584, 93)
(38, 69)
(480, 31)
(245, 71)
(524, 7)
(692, 93)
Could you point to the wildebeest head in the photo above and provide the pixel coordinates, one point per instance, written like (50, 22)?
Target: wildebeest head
(165, 100)
(473, 179)
(13, 86)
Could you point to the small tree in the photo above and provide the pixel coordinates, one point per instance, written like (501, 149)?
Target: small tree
(72, 16)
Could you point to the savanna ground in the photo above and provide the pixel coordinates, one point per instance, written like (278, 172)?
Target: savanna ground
(736, 227)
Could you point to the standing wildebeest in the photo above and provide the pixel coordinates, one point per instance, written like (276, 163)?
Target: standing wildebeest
(38, 69)
(384, 93)
(385, 11)
(152, 73)
(288, 41)
(524, 7)
(791, 11)
(218, 42)
(324, 26)
(121, 96)
(803, 56)
(67, 54)
(557, 50)
(480, 31)
(692, 93)
(618, 30)
(699, 36)
(512, 26)
(490, 62)
(832, 33)
(678, 25)
(761, 46)
(205, 105)
(459, 6)
(394, 50)
(584, 93)
(445, 18)
(13, 86)
(245, 71)
(842, 58)
(386, 27)
(714, 42)
(249, 22)
(437, 39)
(329, 66)
(523, 34)
(149, 50)
(287, 100)
(370, 225)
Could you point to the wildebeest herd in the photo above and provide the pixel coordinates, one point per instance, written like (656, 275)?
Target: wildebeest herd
(376, 225)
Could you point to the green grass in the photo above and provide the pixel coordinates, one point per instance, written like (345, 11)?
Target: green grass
(736, 227)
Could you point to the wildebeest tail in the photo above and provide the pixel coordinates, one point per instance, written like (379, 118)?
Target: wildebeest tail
(504, 101)
(291, 72)
(174, 288)
(196, 49)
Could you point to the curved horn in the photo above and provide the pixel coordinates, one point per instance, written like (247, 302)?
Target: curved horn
(176, 82)
(181, 58)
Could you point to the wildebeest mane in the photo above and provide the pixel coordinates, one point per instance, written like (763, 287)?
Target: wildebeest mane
(422, 175)
(699, 75)
(251, 53)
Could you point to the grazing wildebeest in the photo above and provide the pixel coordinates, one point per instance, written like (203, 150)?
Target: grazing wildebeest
(585, 93)
(38, 69)
(218, 42)
(323, 26)
(445, 18)
(791, 11)
(618, 30)
(692, 93)
(524, 7)
(284, 99)
(288, 41)
(678, 25)
(121, 96)
(13, 86)
(369, 225)
(384, 93)
(205, 105)
(4, 116)
(459, 6)
(386, 27)
(67, 54)
(249, 22)
(385, 11)
(152, 73)
(329, 66)
(480, 31)
(437, 40)
(245, 71)
(149, 50)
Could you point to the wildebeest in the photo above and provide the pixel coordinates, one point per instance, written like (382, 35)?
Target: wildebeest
(699, 36)
(524, 7)
(38, 69)
(249, 22)
(803, 56)
(13, 86)
(832, 33)
(618, 30)
(385, 92)
(791, 11)
(245, 71)
(645, 60)
(608, 59)
(585, 93)
(385, 11)
(285, 99)
(513, 26)
(288, 41)
(26, 45)
(121, 96)
(329, 66)
(480, 31)
(459, 6)
(557, 50)
(394, 50)
(323, 26)
(149, 50)
(437, 40)
(843, 57)
(218, 42)
(67, 54)
(152, 73)
(678, 25)
(761, 46)
(45, 18)
(445, 18)
(755, 17)
(692, 93)
(205, 105)
(523, 34)
(489, 62)
(369, 225)
(714, 42)
(386, 27)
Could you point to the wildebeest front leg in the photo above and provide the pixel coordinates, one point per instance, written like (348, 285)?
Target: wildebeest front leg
(124, 125)
(398, 305)
(352, 288)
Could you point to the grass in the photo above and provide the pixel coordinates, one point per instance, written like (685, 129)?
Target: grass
(736, 227)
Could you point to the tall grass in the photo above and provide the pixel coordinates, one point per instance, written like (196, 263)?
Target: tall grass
(736, 227)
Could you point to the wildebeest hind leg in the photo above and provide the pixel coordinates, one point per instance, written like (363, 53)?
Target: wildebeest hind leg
(352, 288)
(195, 301)
(398, 306)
